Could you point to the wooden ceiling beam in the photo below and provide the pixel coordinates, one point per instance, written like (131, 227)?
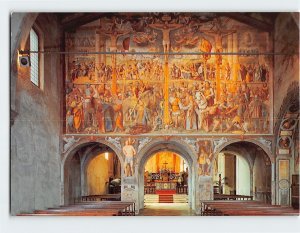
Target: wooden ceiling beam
(246, 19)
(75, 22)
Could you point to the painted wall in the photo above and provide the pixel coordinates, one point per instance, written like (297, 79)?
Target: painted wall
(35, 133)
(156, 162)
(151, 93)
(98, 175)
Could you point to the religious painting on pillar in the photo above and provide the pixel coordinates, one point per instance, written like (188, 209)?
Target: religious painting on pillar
(157, 73)
(205, 158)
(130, 157)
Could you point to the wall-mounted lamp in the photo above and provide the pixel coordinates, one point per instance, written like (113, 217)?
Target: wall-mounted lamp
(24, 59)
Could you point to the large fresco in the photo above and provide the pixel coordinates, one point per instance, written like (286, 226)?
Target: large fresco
(161, 73)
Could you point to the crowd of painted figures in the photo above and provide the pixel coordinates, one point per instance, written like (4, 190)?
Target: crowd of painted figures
(129, 70)
(199, 71)
(153, 70)
(138, 106)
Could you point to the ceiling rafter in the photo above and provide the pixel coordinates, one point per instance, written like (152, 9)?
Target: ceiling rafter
(246, 19)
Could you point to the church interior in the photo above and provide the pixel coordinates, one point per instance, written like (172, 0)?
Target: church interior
(126, 114)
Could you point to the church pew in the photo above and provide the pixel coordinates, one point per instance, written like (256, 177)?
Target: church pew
(123, 209)
(259, 212)
(130, 208)
(108, 212)
(104, 197)
(103, 208)
(79, 212)
(204, 204)
(232, 197)
(245, 208)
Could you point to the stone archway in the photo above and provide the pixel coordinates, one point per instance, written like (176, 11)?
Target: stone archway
(174, 146)
(82, 150)
(261, 144)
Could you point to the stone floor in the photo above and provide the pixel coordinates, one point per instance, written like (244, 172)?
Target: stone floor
(166, 209)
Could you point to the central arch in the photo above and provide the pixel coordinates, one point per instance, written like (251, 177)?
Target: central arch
(177, 147)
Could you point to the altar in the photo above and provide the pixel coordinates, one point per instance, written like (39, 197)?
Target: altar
(165, 185)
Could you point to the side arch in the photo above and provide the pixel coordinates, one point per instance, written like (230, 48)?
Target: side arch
(73, 150)
(253, 141)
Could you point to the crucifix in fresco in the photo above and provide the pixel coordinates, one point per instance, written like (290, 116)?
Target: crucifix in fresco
(166, 28)
(114, 34)
(218, 32)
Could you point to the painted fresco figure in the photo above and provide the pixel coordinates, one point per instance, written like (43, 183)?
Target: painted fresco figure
(256, 106)
(190, 117)
(70, 122)
(166, 29)
(209, 94)
(141, 119)
(88, 106)
(238, 115)
(99, 115)
(78, 116)
(158, 122)
(201, 105)
(175, 108)
(118, 113)
(204, 160)
(129, 153)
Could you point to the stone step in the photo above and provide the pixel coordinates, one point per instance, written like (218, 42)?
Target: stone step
(173, 198)
(180, 198)
(166, 198)
(151, 198)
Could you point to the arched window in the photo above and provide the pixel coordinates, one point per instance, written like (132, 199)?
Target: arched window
(36, 45)
(34, 58)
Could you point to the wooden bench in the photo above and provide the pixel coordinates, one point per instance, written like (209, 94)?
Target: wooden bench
(232, 197)
(244, 208)
(104, 197)
(129, 207)
(72, 213)
(103, 208)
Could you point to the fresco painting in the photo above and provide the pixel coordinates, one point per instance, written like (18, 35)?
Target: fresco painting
(168, 73)
(205, 158)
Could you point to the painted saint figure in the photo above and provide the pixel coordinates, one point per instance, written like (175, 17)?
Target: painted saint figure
(166, 29)
(129, 153)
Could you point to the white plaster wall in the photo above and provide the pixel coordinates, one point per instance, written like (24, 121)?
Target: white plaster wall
(35, 133)
(242, 176)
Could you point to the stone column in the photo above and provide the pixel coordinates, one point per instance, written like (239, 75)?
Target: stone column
(251, 182)
(273, 184)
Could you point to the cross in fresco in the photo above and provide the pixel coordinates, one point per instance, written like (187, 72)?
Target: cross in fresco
(165, 163)
(166, 28)
(218, 32)
(114, 34)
